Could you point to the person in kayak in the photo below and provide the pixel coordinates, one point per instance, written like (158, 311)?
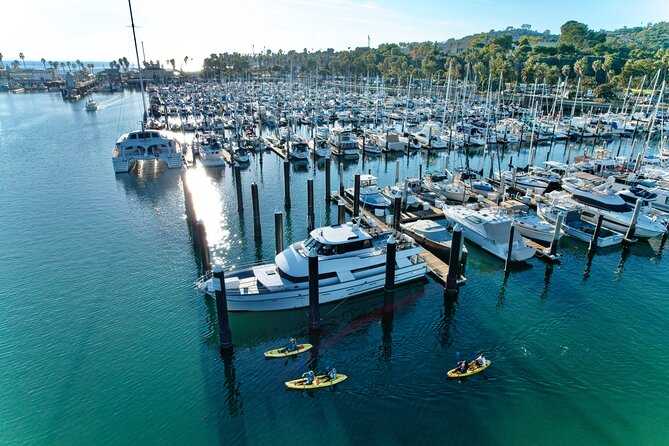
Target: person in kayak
(462, 366)
(332, 374)
(310, 376)
(292, 346)
(479, 362)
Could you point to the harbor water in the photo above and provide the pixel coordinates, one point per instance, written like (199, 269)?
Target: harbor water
(105, 340)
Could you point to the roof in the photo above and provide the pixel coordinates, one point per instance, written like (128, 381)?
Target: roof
(337, 235)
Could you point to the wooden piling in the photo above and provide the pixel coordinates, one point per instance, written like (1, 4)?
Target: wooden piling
(310, 205)
(356, 196)
(314, 311)
(507, 264)
(341, 208)
(286, 183)
(454, 261)
(397, 213)
(595, 235)
(278, 232)
(257, 233)
(556, 235)
(391, 251)
(224, 333)
(238, 186)
(629, 236)
(397, 171)
(327, 178)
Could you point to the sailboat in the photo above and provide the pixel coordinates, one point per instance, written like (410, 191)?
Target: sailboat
(145, 144)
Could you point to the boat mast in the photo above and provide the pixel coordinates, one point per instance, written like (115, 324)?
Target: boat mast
(139, 67)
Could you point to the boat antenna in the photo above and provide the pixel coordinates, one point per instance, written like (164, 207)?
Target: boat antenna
(139, 66)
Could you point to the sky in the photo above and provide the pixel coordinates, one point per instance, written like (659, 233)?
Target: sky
(98, 30)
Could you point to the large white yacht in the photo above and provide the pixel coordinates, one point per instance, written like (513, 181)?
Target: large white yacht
(351, 262)
(146, 145)
(489, 229)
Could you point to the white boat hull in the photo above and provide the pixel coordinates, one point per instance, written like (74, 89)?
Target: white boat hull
(299, 297)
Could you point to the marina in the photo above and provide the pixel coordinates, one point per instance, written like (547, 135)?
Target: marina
(303, 247)
(536, 323)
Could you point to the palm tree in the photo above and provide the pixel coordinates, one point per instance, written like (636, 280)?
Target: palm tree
(69, 66)
(173, 63)
(79, 64)
(596, 67)
(44, 63)
(0, 60)
(22, 57)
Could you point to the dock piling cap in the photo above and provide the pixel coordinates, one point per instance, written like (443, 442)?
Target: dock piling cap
(457, 228)
(392, 239)
(218, 268)
(313, 253)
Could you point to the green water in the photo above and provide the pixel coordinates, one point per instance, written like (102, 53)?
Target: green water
(103, 339)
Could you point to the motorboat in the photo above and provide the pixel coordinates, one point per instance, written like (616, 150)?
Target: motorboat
(522, 180)
(434, 237)
(298, 148)
(342, 143)
(351, 262)
(428, 137)
(473, 181)
(575, 226)
(210, 151)
(489, 229)
(92, 106)
(390, 141)
(444, 186)
(370, 143)
(370, 195)
(408, 198)
(616, 213)
(528, 223)
(320, 146)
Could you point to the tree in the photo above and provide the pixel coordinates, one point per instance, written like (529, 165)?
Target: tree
(44, 63)
(22, 57)
(526, 27)
(581, 66)
(596, 67)
(566, 69)
(574, 33)
(173, 63)
(605, 92)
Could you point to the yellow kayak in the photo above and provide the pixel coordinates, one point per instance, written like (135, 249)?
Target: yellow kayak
(282, 352)
(319, 381)
(455, 374)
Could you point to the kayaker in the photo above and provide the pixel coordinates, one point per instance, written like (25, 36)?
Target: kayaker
(292, 346)
(480, 361)
(462, 366)
(332, 374)
(310, 376)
